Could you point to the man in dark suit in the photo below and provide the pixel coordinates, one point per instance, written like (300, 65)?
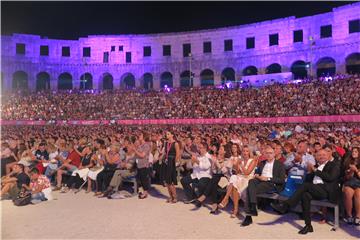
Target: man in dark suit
(323, 184)
(269, 177)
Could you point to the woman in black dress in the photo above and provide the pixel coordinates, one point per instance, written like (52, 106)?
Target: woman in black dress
(171, 155)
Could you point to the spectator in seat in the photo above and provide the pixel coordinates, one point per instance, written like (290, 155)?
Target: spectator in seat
(323, 185)
(269, 177)
(351, 188)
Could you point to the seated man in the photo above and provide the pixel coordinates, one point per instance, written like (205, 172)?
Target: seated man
(13, 182)
(40, 187)
(126, 168)
(269, 177)
(201, 173)
(296, 164)
(324, 184)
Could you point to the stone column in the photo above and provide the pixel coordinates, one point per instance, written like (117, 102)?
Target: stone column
(176, 80)
(156, 81)
(341, 68)
(217, 78)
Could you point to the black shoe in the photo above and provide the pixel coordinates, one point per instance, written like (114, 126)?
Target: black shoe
(197, 203)
(281, 208)
(306, 229)
(215, 211)
(247, 221)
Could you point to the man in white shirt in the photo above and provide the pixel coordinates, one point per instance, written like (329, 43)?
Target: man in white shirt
(323, 185)
(201, 174)
(269, 177)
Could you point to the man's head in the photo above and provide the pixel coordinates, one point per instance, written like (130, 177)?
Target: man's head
(317, 146)
(269, 153)
(329, 150)
(322, 156)
(34, 174)
(203, 148)
(302, 147)
(18, 168)
(42, 146)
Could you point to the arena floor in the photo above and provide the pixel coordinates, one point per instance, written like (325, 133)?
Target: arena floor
(83, 216)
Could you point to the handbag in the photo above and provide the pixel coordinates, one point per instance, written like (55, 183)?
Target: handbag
(23, 198)
(292, 184)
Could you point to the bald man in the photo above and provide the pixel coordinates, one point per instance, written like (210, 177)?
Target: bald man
(323, 183)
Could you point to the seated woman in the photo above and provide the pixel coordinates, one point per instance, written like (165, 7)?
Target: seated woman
(351, 187)
(71, 163)
(98, 161)
(80, 175)
(245, 169)
(219, 170)
(112, 159)
(57, 158)
(201, 175)
(125, 169)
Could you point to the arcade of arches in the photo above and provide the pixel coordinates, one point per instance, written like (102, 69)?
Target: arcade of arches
(325, 66)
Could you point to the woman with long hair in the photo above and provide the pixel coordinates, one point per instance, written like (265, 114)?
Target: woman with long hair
(245, 169)
(232, 163)
(171, 156)
(351, 187)
(142, 151)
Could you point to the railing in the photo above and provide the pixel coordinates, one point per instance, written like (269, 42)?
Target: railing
(194, 121)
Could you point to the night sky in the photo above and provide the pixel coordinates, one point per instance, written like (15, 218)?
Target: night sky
(71, 20)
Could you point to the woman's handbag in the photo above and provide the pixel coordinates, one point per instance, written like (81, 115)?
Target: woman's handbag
(23, 198)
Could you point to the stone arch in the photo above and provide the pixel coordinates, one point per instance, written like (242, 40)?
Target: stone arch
(207, 77)
(42, 81)
(325, 66)
(86, 81)
(273, 68)
(250, 70)
(352, 62)
(166, 78)
(127, 81)
(299, 69)
(228, 74)
(20, 81)
(185, 80)
(147, 81)
(107, 81)
(65, 81)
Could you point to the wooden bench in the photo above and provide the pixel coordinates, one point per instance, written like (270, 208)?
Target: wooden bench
(321, 203)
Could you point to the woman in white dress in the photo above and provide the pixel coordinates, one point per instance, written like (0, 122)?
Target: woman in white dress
(244, 168)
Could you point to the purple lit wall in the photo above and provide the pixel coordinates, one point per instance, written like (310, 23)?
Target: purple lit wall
(334, 50)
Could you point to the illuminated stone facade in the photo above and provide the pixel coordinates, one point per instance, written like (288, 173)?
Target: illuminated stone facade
(335, 44)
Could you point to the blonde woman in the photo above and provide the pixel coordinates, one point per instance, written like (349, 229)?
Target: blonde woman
(245, 169)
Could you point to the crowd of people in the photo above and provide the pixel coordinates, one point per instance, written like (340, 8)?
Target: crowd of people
(217, 163)
(340, 96)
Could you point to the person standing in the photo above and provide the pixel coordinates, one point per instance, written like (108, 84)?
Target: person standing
(142, 152)
(171, 156)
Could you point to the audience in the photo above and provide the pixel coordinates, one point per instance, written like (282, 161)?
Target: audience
(242, 160)
(305, 99)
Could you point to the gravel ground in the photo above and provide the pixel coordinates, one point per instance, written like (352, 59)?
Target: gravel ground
(83, 216)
